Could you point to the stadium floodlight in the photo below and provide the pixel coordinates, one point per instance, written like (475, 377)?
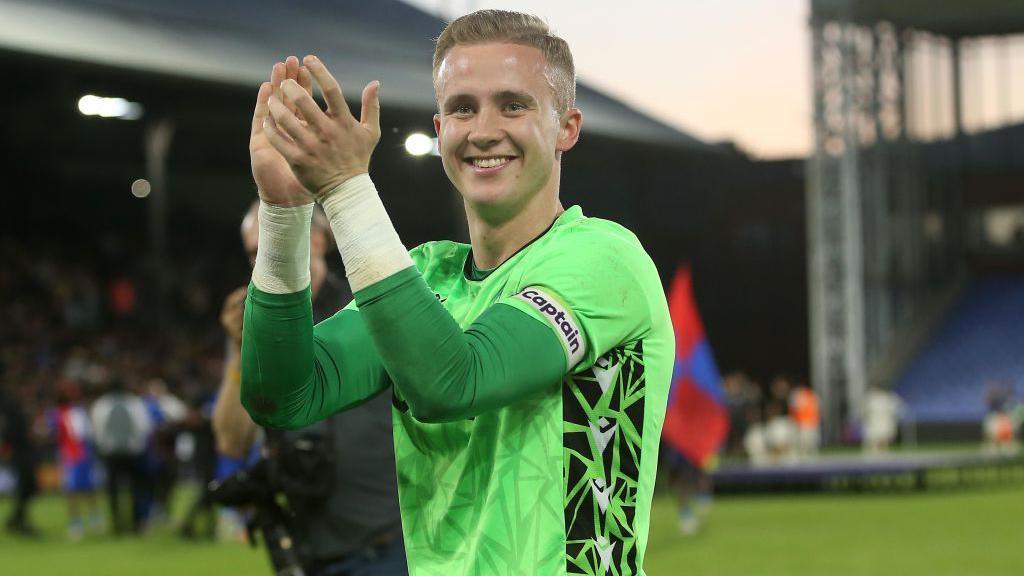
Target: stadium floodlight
(141, 188)
(419, 144)
(92, 105)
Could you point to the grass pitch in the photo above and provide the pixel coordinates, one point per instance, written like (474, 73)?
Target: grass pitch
(972, 532)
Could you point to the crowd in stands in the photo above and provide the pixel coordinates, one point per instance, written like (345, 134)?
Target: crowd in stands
(105, 377)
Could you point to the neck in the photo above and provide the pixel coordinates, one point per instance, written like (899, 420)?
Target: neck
(496, 239)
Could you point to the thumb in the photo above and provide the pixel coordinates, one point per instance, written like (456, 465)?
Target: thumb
(262, 109)
(370, 115)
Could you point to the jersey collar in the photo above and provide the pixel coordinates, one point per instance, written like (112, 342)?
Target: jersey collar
(474, 274)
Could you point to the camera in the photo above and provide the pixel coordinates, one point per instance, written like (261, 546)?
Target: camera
(292, 470)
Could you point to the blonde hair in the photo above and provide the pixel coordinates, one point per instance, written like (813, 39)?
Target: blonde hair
(485, 26)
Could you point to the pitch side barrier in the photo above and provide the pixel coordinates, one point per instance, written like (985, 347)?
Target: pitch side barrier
(888, 472)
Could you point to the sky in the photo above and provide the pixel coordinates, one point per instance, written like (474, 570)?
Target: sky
(734, 70)
(740, 70)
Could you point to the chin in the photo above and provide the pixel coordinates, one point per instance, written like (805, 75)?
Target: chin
(492, 200)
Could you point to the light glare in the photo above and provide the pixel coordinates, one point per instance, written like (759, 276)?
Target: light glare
(419, 144)
(92, 105)
(141, 188)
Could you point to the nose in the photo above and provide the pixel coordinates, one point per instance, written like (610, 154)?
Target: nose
(487, 129)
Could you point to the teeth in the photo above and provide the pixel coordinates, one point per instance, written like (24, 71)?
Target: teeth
(489, 162)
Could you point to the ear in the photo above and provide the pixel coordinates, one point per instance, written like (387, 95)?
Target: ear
(437, 125)
(569, 131)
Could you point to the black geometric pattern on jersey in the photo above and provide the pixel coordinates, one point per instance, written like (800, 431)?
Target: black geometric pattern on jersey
(603, 423)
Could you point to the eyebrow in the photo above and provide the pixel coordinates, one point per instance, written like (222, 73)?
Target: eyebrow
(514, 95)
(500, 96)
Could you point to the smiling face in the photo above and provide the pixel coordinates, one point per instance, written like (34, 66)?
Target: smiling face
(498, 131)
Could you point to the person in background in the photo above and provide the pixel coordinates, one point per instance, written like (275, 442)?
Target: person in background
(347, 518)
(735, 384)
(69, 423)
(166, 412)
(803, 409)
(204, 459)
(16, 441)
(122, 426)
(755, 443)
(1001, 424)
(881, 417)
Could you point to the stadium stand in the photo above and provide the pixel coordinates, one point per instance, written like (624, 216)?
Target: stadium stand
(979, 345)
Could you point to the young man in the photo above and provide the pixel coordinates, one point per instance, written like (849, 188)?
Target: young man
(529, 369)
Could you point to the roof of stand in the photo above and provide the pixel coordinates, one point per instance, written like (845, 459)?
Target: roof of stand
(235, 41)
(953, 18)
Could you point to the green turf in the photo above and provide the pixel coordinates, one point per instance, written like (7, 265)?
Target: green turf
(972, 532)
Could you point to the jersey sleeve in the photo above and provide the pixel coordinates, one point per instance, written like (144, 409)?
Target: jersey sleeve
(294, 374)
(593, 289)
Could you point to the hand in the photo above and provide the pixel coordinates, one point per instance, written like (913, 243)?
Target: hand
(323, 148)
(274, 179)
(231, 314)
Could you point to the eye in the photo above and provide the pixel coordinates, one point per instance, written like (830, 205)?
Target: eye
(462, 109)
(515, 106)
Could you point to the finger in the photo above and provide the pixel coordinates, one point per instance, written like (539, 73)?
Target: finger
(370, 115)
(280, 141)
(261, 110)
(291, 72)
(305, 80)
(291, 68)
(277, 74)
(308, 109)
(329, 86)
(286, 121)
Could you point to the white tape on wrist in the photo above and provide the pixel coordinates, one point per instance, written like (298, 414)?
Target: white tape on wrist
(370, 247)
(282, 256)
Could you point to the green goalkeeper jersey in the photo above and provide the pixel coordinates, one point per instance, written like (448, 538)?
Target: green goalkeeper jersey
(560, 483)
(501, 476)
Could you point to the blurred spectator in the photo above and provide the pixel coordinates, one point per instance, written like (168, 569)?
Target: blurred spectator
(780, 433)
(737, 397)
(882, 409)
(803, 409)
(1001, 424)
(166, 412)
(755, 441)
(122, 426)
(778, 396)
(16, 444)
(69, 423)
(692, 485)
(197, 424)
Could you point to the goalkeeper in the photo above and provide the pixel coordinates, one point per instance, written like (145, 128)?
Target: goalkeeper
(529, 370)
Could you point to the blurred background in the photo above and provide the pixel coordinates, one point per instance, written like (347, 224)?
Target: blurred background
(832, 190)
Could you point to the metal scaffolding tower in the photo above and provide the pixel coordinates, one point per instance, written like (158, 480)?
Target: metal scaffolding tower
(883, 237)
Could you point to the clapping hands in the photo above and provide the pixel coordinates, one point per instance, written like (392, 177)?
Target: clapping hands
(299, 152)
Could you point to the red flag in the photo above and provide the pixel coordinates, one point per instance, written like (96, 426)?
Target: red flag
(696, 420)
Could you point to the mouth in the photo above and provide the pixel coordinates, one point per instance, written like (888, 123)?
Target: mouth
(488, 164)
